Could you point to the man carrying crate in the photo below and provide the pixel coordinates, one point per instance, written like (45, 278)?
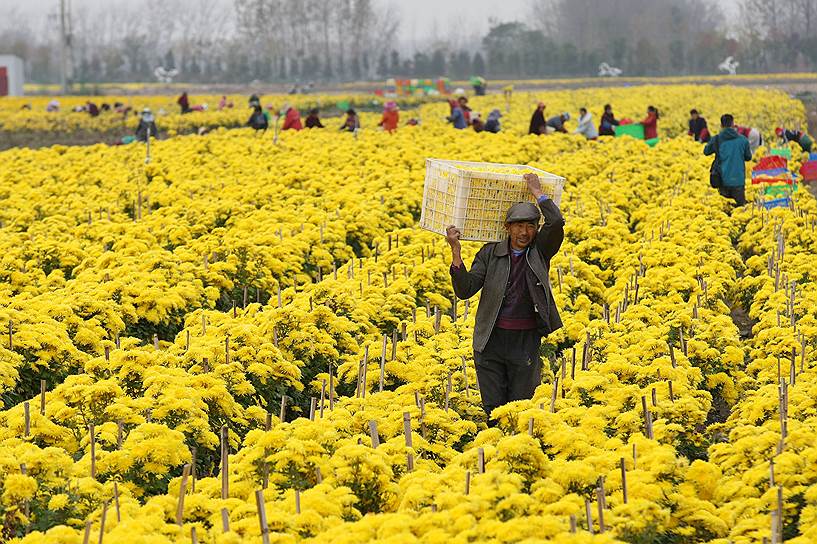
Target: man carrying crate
(516, 308)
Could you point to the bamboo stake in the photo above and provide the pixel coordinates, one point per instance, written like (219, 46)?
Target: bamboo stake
(42, 396)
(283, 411)
(437, 319)
(553, 395)
(382, 363)
(119, 433)
(312, 405)
(297, 501)
(407, 428)
(331, 388)
(27, 412)
(530, 426)
(86, 538)
(225, 472)
(465, 377)
(373, 434)
(116, 501)
(194, 539)
(182, 491)
(323, 396)
(600, 499)
(467, 482)
(573, 523)
(589, 514)
(448, 393)
(225, 520)
(262, 516)
(93, 449)
(623, 478)
(481, 461)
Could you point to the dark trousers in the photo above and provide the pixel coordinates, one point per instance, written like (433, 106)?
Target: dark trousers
(509, 368)
(738, 194)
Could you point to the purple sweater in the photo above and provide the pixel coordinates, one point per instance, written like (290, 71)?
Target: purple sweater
(517, 311)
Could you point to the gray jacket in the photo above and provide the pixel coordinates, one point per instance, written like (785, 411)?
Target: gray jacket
(491, 270)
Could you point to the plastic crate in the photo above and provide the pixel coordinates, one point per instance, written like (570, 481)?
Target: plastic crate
(475, 196)
(635, 130)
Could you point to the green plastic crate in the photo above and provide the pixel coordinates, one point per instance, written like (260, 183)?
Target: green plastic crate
(781, 152)
(636, 130)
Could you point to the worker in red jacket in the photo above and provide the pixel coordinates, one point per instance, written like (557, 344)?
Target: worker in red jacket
(391, 116)
(292, 118)
(651, 123)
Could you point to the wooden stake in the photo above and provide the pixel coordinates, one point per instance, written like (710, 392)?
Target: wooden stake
(194, 539)
(481, 461)
(448, 393)
(323, 397)
(119, 432)
(467, 482)
(93, 449)
(589, 514)
(530, 426)
(600, 499)
(297, 501)
(373, 434)
(465, 377)
(87, 536)
(672, 355)
(553, 395)
(623, 478)
(262, 516)
(182, 492)
(382, 363)
(225, 520)
(437, 319)
(42, 397)
(225, 472)
(407, 428)
(671, 394)
(312, 405)
(331, 388)
(27, 413)
(283, 412)
(573, 523)
(116, 501)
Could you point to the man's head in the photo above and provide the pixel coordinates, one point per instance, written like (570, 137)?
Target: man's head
(462, 100)
(565, 116)
(540, 106)
(582, 111)
(727, 121)
(521, 223)
(608, 108)
(693, 114)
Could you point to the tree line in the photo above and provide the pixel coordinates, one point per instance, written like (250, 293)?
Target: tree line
(241, 41)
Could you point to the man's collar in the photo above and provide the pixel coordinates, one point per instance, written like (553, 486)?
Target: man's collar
(503, 249)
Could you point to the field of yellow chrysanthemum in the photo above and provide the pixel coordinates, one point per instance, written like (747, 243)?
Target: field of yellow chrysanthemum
(243, 338)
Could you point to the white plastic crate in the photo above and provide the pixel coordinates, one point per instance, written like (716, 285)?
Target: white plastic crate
(475, 196)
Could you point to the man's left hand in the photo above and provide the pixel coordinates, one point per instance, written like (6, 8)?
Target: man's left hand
(534, 185)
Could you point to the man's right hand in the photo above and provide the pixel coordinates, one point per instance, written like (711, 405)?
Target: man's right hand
(452, 236)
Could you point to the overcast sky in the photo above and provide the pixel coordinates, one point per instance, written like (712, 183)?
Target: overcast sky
(421, 20)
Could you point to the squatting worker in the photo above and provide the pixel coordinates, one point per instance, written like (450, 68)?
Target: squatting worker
(516, 308)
